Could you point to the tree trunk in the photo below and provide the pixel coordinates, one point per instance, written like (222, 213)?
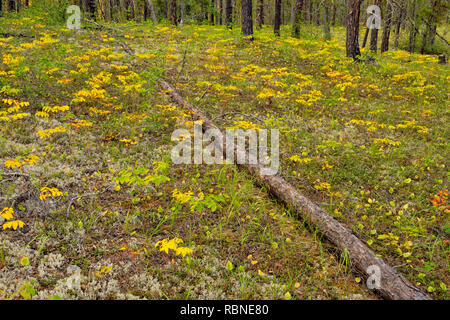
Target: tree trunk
(352, 34)
(430, 28)
(211, 17)
(318, 14)
(387, 28)
(228, 14)
(220, 12)
(365, 38)
(326, 24)
(412, 28)
(374, 33)
(310, 11)
(247, 19)
(11, 5)
(296, 18)
(260, 14)
(333, 20)
(152, 10)
(173, 12)
(277, 20)
(400, 14)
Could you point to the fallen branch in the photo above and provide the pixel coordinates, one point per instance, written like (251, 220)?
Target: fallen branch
(18, 35)
(392, 285)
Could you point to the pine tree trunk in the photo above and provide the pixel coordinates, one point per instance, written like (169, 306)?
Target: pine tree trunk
(310, 12)
(173, 12)
(277, 20)
(211, 17)
(374, 34)
(326, 25)
(352, 43)
(220, 12)
(296, 18)
(11, 5)
(228, 13)
(430, 28)
(247, 19)
(260, 14)
(152, 10)
(333, 20)
(365, 38)
(387, 28)
(400, 15)
(412, 28)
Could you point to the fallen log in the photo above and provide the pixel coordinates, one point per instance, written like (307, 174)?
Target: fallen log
(389, 284)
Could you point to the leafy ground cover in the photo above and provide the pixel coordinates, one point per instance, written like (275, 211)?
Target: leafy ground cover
(86, 140)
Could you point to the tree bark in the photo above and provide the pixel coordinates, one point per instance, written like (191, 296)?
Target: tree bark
(260, 14)
(326, 24)
(412, 28)
(352, 34)
(228, 14)
(211, 17)
(430, 28)
(12, 6)
(311, 12)
(400, 14)
(374, 34)
(333, 19)
(152, 10)
(365, 38)
(392, 285)
(277, 20)
(247, 18)
(296, 18)
(387, 28)
(220, 12)
(173, 12)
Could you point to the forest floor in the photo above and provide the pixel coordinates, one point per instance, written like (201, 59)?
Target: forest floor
(86, 138)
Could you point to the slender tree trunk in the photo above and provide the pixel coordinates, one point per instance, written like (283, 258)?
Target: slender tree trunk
(412, 27)
(11, 5)
(352, 43)
(430, 28)
(318, 14)
(152, 10)
(374, 33)
(296, 18)
(277, 20)
(211, 17)
(326, 24)
(173, 12)
(305, 11)
(387, 28)
(400, 15)
(333, 19)
(311, 11)
(228, 14)
(220, 12)
(365, 38)
(247, 19)
(260, 14)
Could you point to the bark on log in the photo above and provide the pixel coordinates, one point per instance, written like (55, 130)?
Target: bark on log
(392, 284)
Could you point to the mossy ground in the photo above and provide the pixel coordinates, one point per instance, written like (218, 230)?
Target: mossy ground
(366, 141)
